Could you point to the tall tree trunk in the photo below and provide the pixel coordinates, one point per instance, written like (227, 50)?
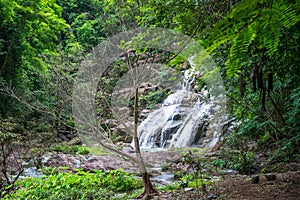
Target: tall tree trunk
(148, 187)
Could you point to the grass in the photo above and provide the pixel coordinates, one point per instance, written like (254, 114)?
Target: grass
(194, 150)
(97, 151)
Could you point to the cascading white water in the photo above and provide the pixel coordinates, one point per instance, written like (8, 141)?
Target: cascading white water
(183, 120)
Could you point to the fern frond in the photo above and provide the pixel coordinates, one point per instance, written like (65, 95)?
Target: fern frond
(226, 29)
(262, 22)
(284, 14)
(239, 49)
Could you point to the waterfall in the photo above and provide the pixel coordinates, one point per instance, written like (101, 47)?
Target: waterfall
(184, 119)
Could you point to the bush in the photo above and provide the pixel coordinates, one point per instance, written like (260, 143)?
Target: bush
(63, 147)
(153, 98)
(237, 154)
(289, 146)
(83, 151)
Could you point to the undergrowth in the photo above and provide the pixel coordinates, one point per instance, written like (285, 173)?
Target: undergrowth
(81, 185)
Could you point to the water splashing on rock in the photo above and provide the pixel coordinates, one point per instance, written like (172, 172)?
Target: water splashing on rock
(184, 119)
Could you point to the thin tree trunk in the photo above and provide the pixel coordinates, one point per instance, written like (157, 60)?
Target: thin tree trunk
(148, 187)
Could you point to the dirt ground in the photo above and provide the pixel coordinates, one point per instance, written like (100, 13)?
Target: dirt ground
(286, 186)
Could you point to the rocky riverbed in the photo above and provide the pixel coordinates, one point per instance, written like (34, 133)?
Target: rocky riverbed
(156, 162)
(284, 183)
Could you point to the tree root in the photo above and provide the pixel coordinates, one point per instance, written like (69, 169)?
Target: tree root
(148, 195)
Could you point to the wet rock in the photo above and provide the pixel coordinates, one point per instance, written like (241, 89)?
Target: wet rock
(158, 137)
(188, 189)
(144, 113)
(255, 180)
(92, 159)
(144, 88)
(212, 196)
(176, 117)
(122, 133)
(169, 132)
(128, 149)
(229, 172)
(75, 141)
(270, 177)
(87, 163)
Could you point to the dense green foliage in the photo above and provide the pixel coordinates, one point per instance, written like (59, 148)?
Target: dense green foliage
(253, 25)
(29, 33)
(255, 44)
(81, 185)
(256, 47)
(263, 41)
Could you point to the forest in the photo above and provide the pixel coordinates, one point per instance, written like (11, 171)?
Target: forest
(84, 86)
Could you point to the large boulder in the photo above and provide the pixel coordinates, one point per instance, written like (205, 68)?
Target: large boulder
(147, 87)
(122, 132)
(75, 141)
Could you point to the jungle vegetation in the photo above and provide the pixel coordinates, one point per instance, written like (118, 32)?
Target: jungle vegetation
(255, 44)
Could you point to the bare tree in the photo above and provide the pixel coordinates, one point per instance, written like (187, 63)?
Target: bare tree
(138, 72)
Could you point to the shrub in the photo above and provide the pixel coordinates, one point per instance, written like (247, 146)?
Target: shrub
(83, 151)
(63, 147)
(237, 155)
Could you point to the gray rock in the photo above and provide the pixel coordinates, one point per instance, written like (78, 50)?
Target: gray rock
(188, 189)
(75, 141)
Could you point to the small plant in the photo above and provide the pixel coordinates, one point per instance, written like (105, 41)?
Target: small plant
(185, 180)
(170, 187)
(237, 154)
(49, 170)
(219, 163)
(83, 150)
(195, 180)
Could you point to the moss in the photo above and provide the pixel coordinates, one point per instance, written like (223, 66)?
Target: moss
(97, 151)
